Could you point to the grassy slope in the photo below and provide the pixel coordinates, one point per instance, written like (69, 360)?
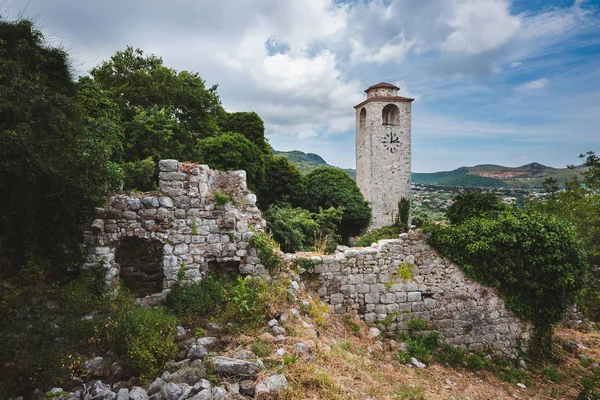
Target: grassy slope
(347, 363)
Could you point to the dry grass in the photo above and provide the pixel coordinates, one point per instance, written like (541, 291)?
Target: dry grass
(349, 364)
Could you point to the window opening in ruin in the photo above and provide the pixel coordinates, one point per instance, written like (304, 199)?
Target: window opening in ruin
(141, 265)
(363, 118)
(390, 115)
(223, 268)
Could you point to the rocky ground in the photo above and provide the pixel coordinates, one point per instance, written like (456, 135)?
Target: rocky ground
(306, 353)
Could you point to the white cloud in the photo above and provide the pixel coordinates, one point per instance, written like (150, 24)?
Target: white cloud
(533, 85)
(480, 26)
(516, 64)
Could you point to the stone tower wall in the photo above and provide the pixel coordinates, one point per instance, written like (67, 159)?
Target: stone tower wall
(383, 177)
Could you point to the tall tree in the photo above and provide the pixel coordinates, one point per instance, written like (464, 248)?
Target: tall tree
(332, 187)
(164, 112)
(54, 151)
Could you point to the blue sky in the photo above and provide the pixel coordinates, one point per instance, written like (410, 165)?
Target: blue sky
(495, 81)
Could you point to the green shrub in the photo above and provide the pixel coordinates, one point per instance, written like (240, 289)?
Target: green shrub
(418, 349)
(220, 198)
(589, 387)
(552, 374)
(261, 348)
(537, 263)
(144, 338)
(387, 232)
(267, 249)
(402, 357)
(200, 298)
(140, 175)
(416, 325)
(232, 301)
(405, 271)
(297, 229)
(473, 204)
(474, 362)
(451, 356)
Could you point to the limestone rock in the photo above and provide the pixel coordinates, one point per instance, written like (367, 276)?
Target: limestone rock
(231, 366)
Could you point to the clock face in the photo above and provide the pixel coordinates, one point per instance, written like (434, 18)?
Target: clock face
(391, 142)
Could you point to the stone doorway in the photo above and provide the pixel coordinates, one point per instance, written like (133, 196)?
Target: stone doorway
(141, 265)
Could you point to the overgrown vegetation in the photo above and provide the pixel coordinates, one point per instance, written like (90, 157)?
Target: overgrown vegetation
(536, 261)
(62, 325)
(579, 205)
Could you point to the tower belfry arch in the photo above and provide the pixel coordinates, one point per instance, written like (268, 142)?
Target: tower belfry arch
(383, 129)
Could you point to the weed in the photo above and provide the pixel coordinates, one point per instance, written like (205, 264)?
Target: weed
(291, 359)
(261, 349)
(267, 249)
(410, 393)
(221, 198)
(402, 357)
(416, 325)
(474, 362)
(405, 271)
(589, 387)
(355, 327)
(553, 375)
(199, 332)
(305, 263)
(194, 226)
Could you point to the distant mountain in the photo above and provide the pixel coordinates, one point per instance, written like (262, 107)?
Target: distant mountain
(485, 175)
(307, 162)
(494, 176)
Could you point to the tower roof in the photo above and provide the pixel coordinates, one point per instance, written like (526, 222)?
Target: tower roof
(382, 85)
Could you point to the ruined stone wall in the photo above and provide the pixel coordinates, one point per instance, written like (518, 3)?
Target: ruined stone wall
(183, 219)
(367, 281)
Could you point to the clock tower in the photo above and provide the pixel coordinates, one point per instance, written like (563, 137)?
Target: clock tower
(383, 151)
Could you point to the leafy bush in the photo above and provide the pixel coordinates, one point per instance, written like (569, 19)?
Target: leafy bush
(474, 362)
(387, 232)
(200, 298)
(234, 301)
(297, 229)
(416, 325)
(536, 261)
(261, 348)
(552, 374)
(267, 249)
(143, 337)
(140, 175)
(473, 204)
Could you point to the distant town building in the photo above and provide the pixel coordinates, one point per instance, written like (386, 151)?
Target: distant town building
(383, 150)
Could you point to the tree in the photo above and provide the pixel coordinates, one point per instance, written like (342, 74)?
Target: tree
(331, 187)
(579, 205)
(283, 183)
(297, 229)
(536, 261)
(473, 204)
(164, 112)
(248, 124)
(55, 150)
(232, 151)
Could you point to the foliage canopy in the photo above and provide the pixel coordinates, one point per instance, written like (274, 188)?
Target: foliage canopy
(330, 187)
(536, 261)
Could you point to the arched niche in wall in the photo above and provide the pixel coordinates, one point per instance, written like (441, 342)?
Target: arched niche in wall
(390, 115)
(363, 118)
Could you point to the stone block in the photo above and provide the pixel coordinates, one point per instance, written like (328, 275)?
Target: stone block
(414, 296)
(168, 165)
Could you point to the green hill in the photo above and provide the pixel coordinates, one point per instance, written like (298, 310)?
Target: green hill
(484, 176)
(307, 162)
